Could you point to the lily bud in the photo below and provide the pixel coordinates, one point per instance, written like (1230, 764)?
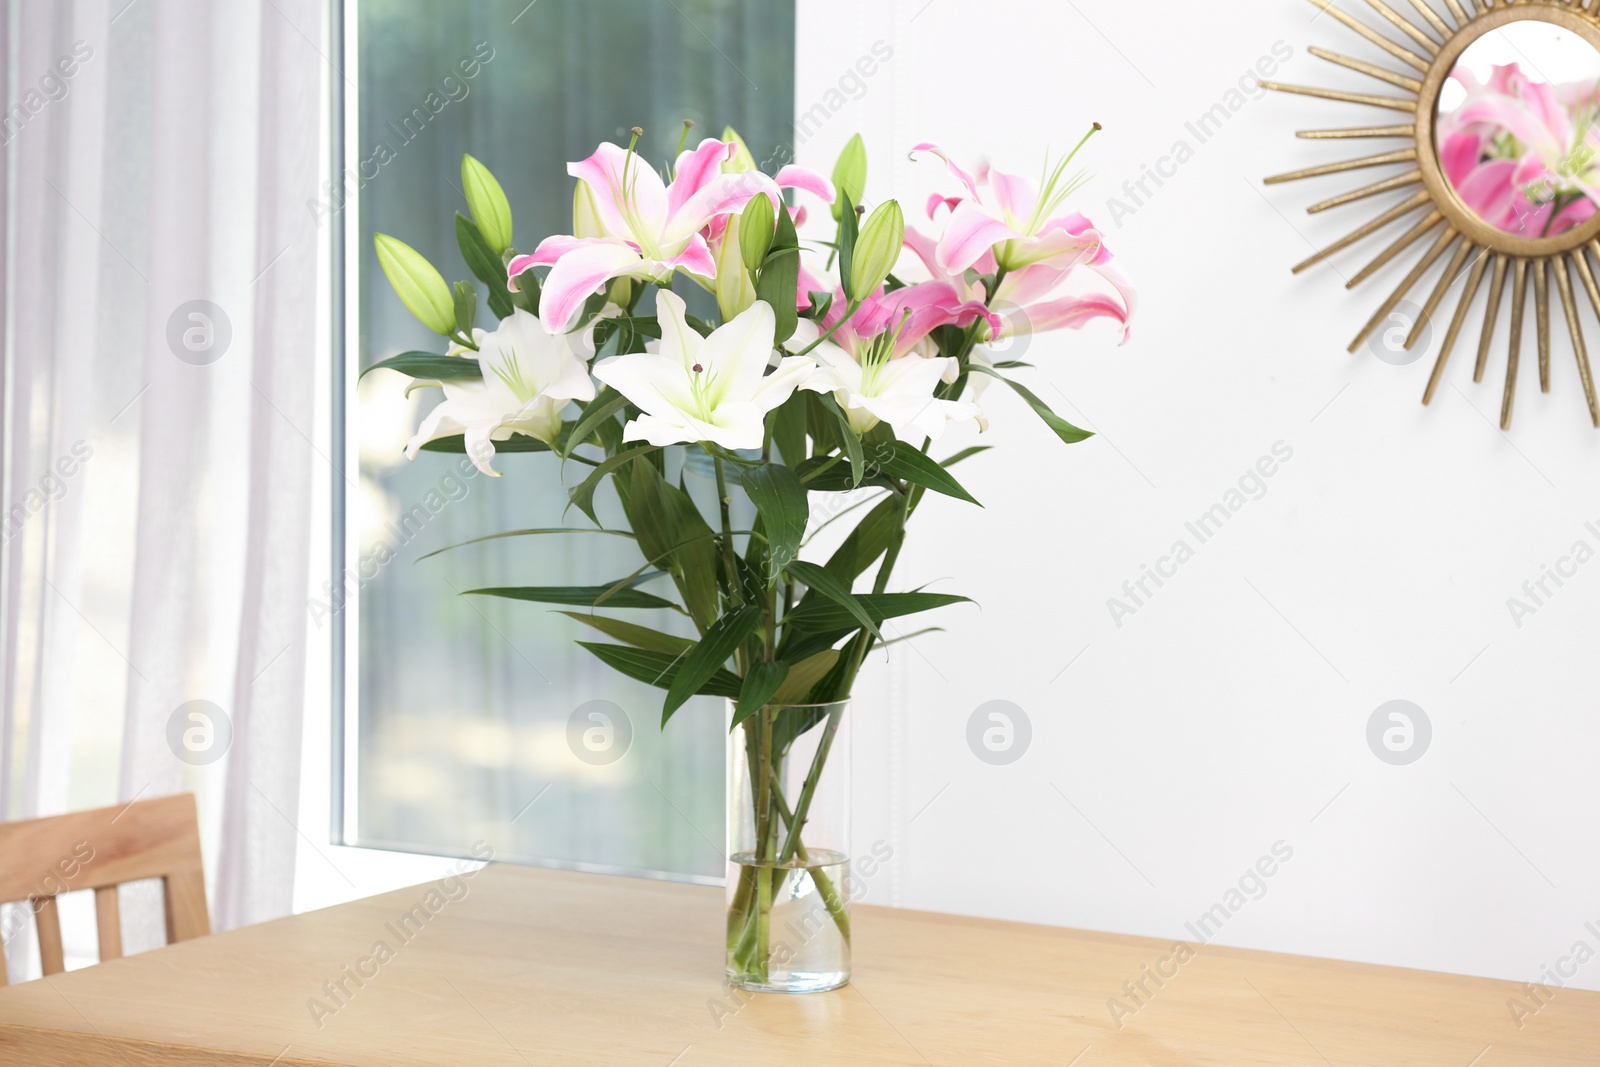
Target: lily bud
(755, 231)
(734, 291)
(585, 215)
(420, 288)
(850, 173)
(742, 159)
(877, 249)
(487, 202)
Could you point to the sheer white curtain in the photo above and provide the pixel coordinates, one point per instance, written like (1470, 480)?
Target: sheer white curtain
(159, 277)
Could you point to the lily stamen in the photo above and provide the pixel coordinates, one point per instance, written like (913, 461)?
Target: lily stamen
(702, 387)
(1052, 192)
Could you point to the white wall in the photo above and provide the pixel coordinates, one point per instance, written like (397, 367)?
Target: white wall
(1230, 712)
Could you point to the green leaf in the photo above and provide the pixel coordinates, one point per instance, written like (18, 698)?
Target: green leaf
(582, 595)
(484, 264)
(429, 366)
(635, 330)
(848, 436)
(784, 238)
(848, 223)
(752, 586)
(672, 534)
(822, 617)
(660, 669)
(639, 488)
(694, 555)
(821, 303)
(632, 634)
(602, 407)
(781, 501)
(707, 657)
(487, 202)
(803, 676)
(821, 424)
(639, 577)
(965, 453)
(900, 460)
(825, 583)
(867, 541)
(526, 294)
(913, 635)
(829, 474)
(780, 278)
(761, 681)
(419, 286)
(466, 306)
(517, 442)
(788, 424)
(583, 495)
(1063, 429)
(525, 533)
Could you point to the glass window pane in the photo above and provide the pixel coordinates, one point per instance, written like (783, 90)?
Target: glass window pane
(466, 704)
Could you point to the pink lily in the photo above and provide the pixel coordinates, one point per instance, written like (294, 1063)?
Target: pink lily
(1030, 299)
(1523, 155)
(1007, 215)
(649, 228)
(909, 314)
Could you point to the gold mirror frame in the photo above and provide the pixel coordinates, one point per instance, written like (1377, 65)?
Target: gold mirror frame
(1477, 244)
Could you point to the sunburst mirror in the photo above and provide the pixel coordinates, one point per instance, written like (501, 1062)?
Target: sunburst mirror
(1498, 168)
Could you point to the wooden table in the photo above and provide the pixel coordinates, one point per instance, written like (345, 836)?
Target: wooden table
(529, 967)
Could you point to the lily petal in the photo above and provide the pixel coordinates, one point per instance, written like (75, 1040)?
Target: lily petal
(1074, 312)
(581, 271)
(795, 176)
(972, 231)
(724, 356)
(780, 385)
(617, 178)
(696, 258)
(695, 168)
(723, 194)
(961, 175)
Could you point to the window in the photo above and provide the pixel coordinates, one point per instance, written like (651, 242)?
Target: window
(473, 718)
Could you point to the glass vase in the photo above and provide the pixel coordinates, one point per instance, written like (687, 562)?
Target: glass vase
(789, 849)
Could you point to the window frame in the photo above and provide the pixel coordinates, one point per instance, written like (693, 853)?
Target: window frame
(345, 333)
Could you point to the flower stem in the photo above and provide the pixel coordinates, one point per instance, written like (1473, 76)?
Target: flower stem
(850, 309)
(735, 592)
(813, 776)
(766, 834)
(830, 895)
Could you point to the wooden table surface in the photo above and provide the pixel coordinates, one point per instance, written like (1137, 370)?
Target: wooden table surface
(530, 967)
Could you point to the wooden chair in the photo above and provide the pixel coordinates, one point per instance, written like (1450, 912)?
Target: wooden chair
(99, 850)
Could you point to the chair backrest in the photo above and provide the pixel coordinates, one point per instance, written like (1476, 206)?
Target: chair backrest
(99, 850)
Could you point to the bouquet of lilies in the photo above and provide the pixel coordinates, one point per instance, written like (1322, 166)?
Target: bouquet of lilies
(826, 375)
(1523, 155)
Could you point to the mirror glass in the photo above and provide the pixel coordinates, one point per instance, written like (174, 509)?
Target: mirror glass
(1517, 129)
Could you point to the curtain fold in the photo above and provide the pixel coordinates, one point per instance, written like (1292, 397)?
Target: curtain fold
(160, 270)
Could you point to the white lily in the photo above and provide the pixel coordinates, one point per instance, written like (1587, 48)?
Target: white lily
(713, 389)
(882, 387)
(529, 376)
